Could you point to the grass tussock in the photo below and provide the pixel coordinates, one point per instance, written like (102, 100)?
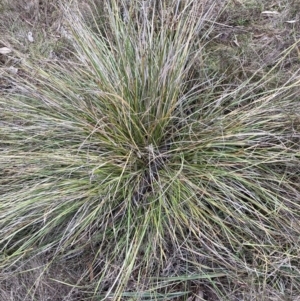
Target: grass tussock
(136, 154)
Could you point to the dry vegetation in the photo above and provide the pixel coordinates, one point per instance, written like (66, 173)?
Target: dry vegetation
(148, 154)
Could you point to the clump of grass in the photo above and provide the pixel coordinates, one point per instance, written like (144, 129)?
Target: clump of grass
(139, 154)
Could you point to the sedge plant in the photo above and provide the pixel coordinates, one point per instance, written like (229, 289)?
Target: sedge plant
(135, 151)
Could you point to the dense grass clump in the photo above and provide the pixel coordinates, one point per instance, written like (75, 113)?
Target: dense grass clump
(136, 153)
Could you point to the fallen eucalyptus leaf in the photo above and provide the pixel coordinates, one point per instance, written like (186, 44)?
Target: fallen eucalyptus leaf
(5, 50)
(270, 12)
